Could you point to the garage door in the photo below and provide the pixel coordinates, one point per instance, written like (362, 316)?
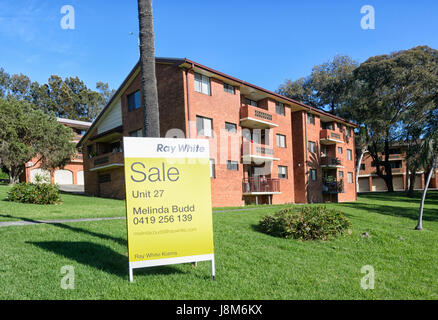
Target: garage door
(379, 184)
(39, 172)
(63, 177)
(364, 184)
(398, 182)
(417, 184)
(80, 177)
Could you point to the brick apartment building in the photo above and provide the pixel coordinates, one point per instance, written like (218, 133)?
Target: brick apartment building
(73, 172)
(265, 148)
(369, 181)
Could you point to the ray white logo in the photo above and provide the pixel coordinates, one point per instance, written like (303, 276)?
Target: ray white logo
(367, 281)
(68, 281)
(68, 20)
(368, 21)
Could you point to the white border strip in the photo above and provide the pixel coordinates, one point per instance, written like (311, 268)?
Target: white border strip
(137, 147)
(167, 261)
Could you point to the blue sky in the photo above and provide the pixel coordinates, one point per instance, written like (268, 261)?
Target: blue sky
(261, 42)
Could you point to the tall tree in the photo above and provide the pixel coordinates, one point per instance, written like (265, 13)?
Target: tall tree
(326, 87)
(26, 132)
(151, 119)
(390, 88)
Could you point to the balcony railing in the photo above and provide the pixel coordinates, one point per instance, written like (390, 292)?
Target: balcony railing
(260, 185)
(107, 161)
(333, 186)
(254, 117)
(328, 136)
(331, 162)
(253, 152)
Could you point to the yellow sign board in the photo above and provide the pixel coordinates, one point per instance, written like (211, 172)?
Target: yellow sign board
(168, 201)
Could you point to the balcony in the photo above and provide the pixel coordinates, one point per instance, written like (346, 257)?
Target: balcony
(257, 153)
(256, 118)
(260, 186)
(328, 136)
(106, 161)
(332, 186)
(330, 163)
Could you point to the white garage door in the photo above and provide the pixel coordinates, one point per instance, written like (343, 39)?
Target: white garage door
(417, 184)
(364, 184)
(40, 172)
(397, 182)
(80, 177)
(63, 177)
(379, 184)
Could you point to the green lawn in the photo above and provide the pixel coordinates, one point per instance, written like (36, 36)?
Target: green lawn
(249, 264)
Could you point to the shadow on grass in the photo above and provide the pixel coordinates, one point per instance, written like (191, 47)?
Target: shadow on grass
(74, 229)
(97, 256)
(394, 211)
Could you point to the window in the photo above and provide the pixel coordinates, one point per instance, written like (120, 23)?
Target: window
(282, 172)
(228, 88)
(341, 174)
(327, 125)
(312, 146)
(348, 133)
(313, 174)
(323, 151)
(230, 127)
(212, 169)
(395, 151)
(340, 126)
(396, 164)
(134, 100)
(279, 108)
(102, 178)
(281, 141)
(362, 166)
(136, 133)
(251, 102)
(202, 83)
(350, 177)
(340, 150)
(204, 126)
(349, 154)
(310, 118)
(232, 165)
(90, 151)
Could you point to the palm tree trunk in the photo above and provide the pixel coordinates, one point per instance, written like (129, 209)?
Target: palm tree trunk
(151, 119)
(423, 197)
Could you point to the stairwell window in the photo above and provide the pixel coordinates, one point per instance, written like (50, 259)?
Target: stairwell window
(313, 174)
(349, 154)
(228, 88)
(232, 165)
(204, 126)
(279, 108)
(134, 100)
(312, 146)
(282, 172)
(350, 177)
(202, 83)
(281, 141)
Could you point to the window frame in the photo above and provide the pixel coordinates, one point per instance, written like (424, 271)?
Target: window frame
(135, 107)
(234, 126)
(282, 175)
(229, 88)
(280, 106)
(198, 131)
(278, 136)
(313, 177)
(313, 143)
(199, 83)
(231, 164)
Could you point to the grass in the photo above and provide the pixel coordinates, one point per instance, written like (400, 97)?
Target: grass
(249, 264)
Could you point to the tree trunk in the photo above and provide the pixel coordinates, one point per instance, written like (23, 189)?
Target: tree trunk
(423, 197)
(388, 169)
(359, 161)
(407, 180)
(412, 178)
(151, 119)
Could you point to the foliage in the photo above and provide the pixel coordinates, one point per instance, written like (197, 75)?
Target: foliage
(305, 223)
(38, 193)
(26, 132)
(326, 87)
(66, 98)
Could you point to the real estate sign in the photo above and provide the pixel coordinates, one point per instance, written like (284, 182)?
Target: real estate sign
(168, 201)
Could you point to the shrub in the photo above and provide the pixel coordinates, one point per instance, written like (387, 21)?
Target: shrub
(305, 223)
(39, 193)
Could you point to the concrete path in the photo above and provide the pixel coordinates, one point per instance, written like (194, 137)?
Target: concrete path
(30, 222)
(26, 223)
